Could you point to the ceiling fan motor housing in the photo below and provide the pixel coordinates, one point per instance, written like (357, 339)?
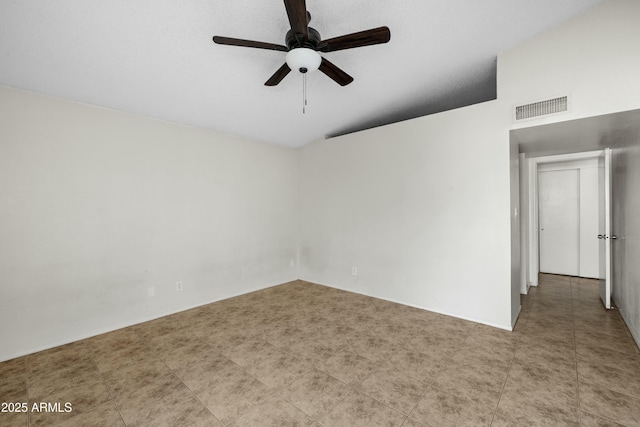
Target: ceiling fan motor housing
(312, 41)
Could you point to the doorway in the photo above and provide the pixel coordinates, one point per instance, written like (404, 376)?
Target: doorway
(563, 240)
(568, 212)
(621, 132)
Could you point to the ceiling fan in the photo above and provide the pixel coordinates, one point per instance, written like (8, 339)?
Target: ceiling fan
(304, 43)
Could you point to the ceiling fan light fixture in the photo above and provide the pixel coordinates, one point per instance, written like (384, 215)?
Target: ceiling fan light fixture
(303, 59)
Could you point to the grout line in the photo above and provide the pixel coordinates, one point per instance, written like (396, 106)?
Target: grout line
(575, 352)
(513, 358)
(26, 382)
(104, 382)
(504, 385)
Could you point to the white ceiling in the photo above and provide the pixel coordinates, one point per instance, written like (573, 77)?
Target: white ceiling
(156, 58)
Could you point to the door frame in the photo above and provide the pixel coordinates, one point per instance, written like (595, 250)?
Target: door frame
(605, 229)
(533, 256)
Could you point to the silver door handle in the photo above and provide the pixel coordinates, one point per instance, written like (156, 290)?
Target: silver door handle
(614, 237)
(600, 236)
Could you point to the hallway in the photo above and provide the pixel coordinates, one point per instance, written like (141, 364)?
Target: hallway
(572, 351)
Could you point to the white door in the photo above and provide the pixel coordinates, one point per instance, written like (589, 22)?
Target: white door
(559, 218)
(604, 217)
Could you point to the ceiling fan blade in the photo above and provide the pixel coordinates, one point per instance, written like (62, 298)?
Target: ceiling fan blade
(335, 73)
(362, 38)
(248, 43)
(297, 13)
(278, 75)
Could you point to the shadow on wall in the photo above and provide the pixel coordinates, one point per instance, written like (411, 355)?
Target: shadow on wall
(483, 89)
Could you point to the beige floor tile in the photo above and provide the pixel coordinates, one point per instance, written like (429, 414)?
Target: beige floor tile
(472, 385)
(609, 357)
(316, 393)
(372, 347)
(279, 369)
(536, 352)
(71, 358)
(419, 365)
(13, 388)
(348, 366)
(224, 340)
(13, 367)
(314, 323)
(234, 396)
(116, 340)
(188, 412)
(558, 392)
(487, 336)
(142, 374)
(316, 351)
(608, 377)
(563, 342)
(207, 373)
(141, 406)
(394, 388)
(180, 354)
(14, 419)
(81, 398)
(274, 412)
(359, 320)
(412, 423)
(590, 420)
(108, 361)
(397, 333)
(164, 343)
(618, 332)
(45, 382)
(615, 406)
(284, 336)
(250, 352)
(64, 356)
(596, 339)
(583, 315)
(358, 409)
(496, 358)
(435, 343)
(517, 410)
(105, 415)
(438, 408)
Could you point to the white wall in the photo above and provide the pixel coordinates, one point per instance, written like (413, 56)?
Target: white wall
(594, 58)
(626, 225)
(97, 206)
(421, 208)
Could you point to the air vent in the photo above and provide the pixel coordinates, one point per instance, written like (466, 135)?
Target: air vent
(541, 108)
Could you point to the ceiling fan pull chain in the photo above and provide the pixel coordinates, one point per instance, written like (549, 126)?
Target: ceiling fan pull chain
(304, 92)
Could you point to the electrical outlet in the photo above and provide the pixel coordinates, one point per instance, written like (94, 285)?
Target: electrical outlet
(151, 291)
(291, 264)
(354, 271)
(179, 286)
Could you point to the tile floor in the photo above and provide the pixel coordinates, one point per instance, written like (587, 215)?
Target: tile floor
(303, 354)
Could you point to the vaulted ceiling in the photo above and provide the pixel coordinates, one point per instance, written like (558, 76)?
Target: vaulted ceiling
(156, 58)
